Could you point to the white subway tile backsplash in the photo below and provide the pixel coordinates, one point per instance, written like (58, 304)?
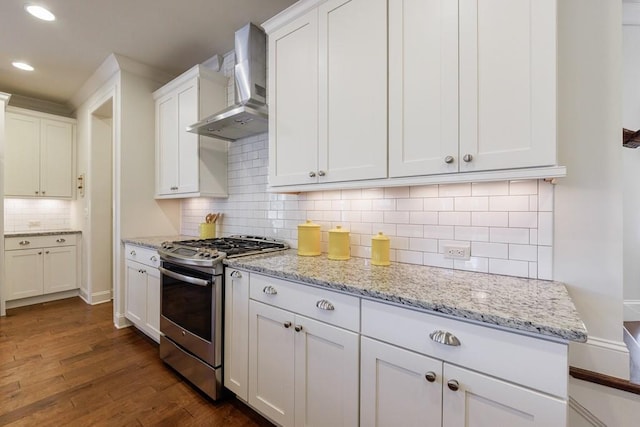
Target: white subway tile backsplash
(48, 214)
(508, 225)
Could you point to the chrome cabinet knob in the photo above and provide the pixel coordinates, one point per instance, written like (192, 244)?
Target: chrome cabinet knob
(236, 274)
(444, 337)
(46, 252)
(153, 258)
(298, 328)
(453, 385)
(37, 192)
(287, 324)
(132, 253)
(312, 174)
(24, 242)
(467, 158)
(60, 240)
(321, 173)
(448, 159)
(430, 376)
(43, 193)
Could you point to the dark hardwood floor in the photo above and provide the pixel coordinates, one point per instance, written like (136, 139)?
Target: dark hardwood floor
(64, 363)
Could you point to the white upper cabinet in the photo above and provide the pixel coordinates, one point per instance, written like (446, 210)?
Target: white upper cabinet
(189, 165)
(328, 94)
(472, 85)
(39, 155)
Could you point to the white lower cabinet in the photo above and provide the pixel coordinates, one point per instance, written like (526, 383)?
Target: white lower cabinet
(314, 357)
(40, 265)
(142, 289)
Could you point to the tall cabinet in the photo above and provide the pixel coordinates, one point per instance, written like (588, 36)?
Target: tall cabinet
(39, 155)
(187, 164)
(328, 94)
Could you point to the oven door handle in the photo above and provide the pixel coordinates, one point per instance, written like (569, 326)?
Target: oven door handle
(182, 277)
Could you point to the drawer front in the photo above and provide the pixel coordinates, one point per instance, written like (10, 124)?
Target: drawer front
(146, 256)
(30, 242)
(536, 363)
(319, 304)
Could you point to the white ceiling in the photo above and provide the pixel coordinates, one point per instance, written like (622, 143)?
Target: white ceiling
(170, 35)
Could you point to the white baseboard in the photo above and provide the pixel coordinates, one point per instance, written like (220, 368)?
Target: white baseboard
(42, 298)
(602, 356)
(579, 415)
(120, 321)
(100, 297)
(631, 311)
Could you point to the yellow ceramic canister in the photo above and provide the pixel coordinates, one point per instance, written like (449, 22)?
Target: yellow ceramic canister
(308, 239)
(380, 249)
(207, 230)
(339, 247)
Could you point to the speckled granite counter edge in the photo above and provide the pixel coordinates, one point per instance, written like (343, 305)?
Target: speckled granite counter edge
(154, 242)
(533, 325)
(39, 233)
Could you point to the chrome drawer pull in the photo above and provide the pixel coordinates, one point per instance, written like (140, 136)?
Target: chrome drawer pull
(446, 338)
(60, 240)
(153, 258)
(132, 253)
(24, 242)
(430, 376)
(323, 304)
(236, 274)
(270, 290)
(453, 385)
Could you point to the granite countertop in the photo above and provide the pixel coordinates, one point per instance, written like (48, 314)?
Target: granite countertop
(527, 305)
(154, 242)
(39, 233)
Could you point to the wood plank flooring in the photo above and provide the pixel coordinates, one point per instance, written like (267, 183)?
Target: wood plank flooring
(64, 363)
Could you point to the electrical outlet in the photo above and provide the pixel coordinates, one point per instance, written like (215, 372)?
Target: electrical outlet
(34, 223)
(457, 251)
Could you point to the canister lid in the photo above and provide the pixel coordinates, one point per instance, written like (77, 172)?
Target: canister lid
(380, 236)
(309, 224)
(338, 229)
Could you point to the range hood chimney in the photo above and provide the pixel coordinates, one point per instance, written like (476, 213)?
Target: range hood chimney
(248, 115)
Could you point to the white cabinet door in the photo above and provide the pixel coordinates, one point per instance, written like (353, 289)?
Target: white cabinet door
(188, 143)
(152, 320)
(22, 155)
(56, 159)
(352, 90)
(136, 291)
(236, 332)
(271, 361)
(482, 401)
(423, 87)
(397, 384)
(293, 107)
(507, 83)
(326, 374)
(166, 144)
(23, 273)
(60, 269)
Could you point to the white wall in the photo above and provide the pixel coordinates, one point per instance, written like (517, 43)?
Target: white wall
(631, 159)
(588, 231)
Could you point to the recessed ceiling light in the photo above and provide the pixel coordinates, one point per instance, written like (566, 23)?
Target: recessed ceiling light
(22, 65)
(39, 12)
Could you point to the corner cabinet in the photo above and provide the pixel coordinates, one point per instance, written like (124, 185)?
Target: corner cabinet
(328, 94)
(40, 265)
(39, 155)
(142, 289)
(187, 164)
(468, 89)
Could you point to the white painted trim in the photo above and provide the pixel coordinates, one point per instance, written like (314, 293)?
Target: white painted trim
(39, 114)
(100, 297)
(4, 97)
(29, 103)
(289, 14)
(120, 321)
(631, 311)
(601, 355)
(486, 176)
(195, 71)
(584, 413)
(630, 13)
(43, 298)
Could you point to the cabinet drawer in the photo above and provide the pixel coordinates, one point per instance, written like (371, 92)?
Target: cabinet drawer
(536, 363)
(146, 256)
(339, 309)
(28, 242)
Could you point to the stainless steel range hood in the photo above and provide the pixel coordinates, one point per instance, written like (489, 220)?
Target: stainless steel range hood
(248, 116)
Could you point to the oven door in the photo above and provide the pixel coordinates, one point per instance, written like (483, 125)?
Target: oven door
(191, 311)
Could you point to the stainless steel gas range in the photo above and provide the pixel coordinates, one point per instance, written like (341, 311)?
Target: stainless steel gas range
(191, 304)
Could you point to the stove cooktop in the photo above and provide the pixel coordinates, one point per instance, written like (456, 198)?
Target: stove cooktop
(208, 252)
